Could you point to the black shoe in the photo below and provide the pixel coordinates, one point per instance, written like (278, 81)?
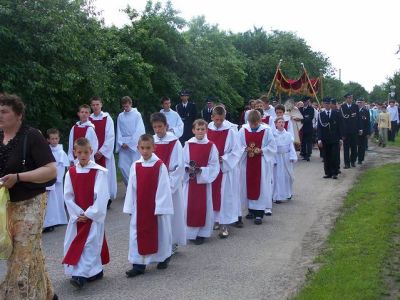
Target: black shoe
(77, 281)
(239, 223)
(278, 201)
(199, 240)
(307, 159)
(360, 162)
(258, 221)
(96, 277)
(290, 198)
(327, 176)
(249, 216)
(109, 203)
(339, 172)
(353, 165)
(346, 167)
(48, 229)
(334, 177)
(55, 297)
(133, 272)
(163, 265)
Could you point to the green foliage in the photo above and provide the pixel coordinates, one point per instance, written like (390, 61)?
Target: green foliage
(378, 94)
(57, 54)
(356, 89)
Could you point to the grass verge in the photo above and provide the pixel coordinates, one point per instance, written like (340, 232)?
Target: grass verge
(354, 264)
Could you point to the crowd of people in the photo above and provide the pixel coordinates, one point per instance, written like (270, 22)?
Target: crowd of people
(193, 175)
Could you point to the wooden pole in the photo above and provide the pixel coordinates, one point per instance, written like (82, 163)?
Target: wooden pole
(309, 82)
(273, 80)
(321, 78)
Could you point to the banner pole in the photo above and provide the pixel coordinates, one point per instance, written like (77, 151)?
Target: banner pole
(273, 80)
(309, 82)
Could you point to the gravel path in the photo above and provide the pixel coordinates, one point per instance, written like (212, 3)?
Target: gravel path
(255, 262)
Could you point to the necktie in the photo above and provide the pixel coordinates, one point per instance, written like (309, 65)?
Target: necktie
(329, 114)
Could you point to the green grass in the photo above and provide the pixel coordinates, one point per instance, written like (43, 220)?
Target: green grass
(359, 248)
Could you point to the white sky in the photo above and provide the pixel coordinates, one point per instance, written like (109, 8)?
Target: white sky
(359, 37)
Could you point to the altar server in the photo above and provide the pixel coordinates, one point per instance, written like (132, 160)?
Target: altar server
(174, 121)
(280, 112)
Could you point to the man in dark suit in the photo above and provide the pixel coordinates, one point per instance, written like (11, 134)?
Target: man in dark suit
(351, 127)
(365, 130)
(207, 110)
(307, 139)
(329, 132)
(188, 113)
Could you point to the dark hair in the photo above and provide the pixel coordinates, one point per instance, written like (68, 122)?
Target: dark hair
(52, 131)
(280, 107)
(82, 142)
(158, 117)
(260, 110)
(146, 138)
(264, 98)
(219, 110)
(15, 102)
(95, 98)
(199, 122)
(85, 106)
(163, 99)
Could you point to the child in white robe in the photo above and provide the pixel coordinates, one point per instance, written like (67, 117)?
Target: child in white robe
(169, 150)
(280, 112)
(284, 159)
(104, 128)
(55, 211)
(149, 202)
(82, 128)
(258, 149)
(86, 196)
(201, 162)
(174, 121)
(225, 189)
(130, 127)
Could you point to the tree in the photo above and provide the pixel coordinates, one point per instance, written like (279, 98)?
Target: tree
(356, 89)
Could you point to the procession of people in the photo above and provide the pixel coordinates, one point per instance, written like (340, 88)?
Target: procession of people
(191, 177)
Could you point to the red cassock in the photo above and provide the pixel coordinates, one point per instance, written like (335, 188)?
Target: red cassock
(197, 194)
(219, 139)
(100, 129)
(265, 119)
(286, 125)
(253, 167)
(78, 133)
(146, 220)
(83, 186)
(164, 151)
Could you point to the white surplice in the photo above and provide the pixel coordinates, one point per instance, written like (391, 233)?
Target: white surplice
(90, 261)
(129, 129)
(55, 211)
(283, 168)
(176, 171)
(230, 197)
(175, 123)
(207, 176)
(268, 147)
(163, 209)
(90, 135)
(285, 118)
(270, 112)
(108, 151)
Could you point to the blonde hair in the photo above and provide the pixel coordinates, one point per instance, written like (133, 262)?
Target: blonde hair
(199, 122)
(254, 116)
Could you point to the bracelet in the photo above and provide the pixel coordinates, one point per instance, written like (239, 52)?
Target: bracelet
(17, 177)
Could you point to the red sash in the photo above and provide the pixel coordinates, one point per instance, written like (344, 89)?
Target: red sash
(83, 186)
(146, 220)
(197, 194)
(253, 167)
(219, 139)
(100, 129)
(164, 151)
(78, 133)
(286, 125)
(265, 119)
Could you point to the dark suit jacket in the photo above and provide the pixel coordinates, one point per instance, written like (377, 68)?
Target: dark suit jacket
(330, 130)
(365, 121)
(351, 118)
(308, 116)
(206, 115)
(188, 116)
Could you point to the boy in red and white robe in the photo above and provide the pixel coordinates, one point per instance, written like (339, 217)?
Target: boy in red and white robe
(258, 148)
(169, 150)
(225, 188)
(83, 128)
(201, 161)
(86, 196)
(280, 112)
(104, 128)
(149, 202)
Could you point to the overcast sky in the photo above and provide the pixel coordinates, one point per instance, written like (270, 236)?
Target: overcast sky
(359, 37)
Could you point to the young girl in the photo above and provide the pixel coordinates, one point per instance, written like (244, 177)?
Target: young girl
(284, 159)
(280, 112)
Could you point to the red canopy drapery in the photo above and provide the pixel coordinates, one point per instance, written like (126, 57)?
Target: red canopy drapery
(297, 86)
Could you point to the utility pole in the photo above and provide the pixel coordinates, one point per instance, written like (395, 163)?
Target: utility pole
(340, 74)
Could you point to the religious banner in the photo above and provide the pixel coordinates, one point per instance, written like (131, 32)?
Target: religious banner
(304, 85)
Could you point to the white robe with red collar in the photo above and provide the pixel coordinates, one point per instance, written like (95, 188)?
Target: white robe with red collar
(90, 135)
(176, 172)
(108, 152)
(90, 261)
(207, 175)
(268, 148)
(174, 121)
(163, 209)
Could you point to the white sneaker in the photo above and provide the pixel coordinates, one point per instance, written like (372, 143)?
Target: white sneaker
(268, 212)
